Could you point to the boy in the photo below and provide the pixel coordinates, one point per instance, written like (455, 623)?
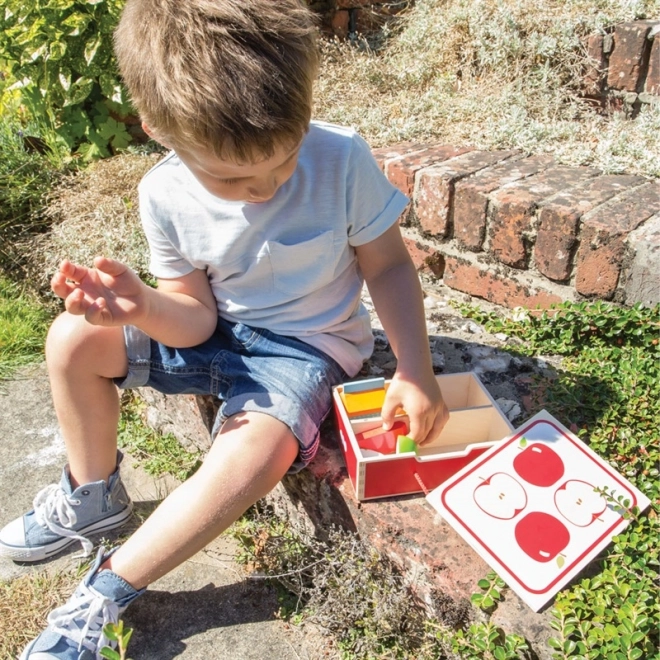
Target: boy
(262, 228)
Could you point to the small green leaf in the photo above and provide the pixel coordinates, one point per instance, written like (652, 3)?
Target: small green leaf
(110, 631)
(91, 48)
(110, 654)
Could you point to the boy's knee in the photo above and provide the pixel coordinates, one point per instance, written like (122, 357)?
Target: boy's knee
(71, 336)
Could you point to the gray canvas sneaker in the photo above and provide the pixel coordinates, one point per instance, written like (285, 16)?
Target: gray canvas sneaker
(75, 630)
(61, 516)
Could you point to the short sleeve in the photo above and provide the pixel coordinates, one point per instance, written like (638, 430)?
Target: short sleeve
(373, 204)
(165, 261)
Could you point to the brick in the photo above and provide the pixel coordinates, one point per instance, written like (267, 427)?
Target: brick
(603, 236)
(471, 196)
(401, 171)
(339, 23)
(512, 210)
(559, 219)
(498, 287)
(425, 258)
(434, 188)
(594, 75)
(385, 154)
(641, 271)
(629, 58)
(652, 85)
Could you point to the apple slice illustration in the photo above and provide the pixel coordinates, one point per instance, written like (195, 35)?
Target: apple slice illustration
(500, 496)
(577, 501)
(539, 465)
(541, 536)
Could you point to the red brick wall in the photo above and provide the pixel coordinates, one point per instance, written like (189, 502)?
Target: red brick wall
(624, 68)
(521, 230)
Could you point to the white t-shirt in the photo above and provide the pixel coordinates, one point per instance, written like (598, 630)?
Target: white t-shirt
(288, 264)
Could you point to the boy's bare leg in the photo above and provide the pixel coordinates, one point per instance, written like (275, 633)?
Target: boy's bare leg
(248, 458)
(82, 359)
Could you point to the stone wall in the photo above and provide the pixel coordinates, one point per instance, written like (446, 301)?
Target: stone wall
(521, 230)
(624, 70)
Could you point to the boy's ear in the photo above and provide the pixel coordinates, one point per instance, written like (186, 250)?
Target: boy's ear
(153, 135)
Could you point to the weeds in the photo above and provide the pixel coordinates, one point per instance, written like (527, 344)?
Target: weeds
(23, 325)
(25, 179)
(101, 204)
(158, 454)
(493, 74)
(609, 384)
(340, 585)
(25, 603)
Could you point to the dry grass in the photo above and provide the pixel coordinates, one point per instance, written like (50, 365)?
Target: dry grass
(24, 604)
(494, 74)
(355, 594)
(94, 212)
(491, 73)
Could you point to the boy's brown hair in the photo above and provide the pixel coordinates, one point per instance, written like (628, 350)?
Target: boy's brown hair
(231, 76)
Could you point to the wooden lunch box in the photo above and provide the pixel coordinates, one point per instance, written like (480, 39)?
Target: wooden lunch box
(382, 464)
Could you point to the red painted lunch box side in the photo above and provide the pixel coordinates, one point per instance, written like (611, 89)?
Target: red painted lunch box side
(386, 478)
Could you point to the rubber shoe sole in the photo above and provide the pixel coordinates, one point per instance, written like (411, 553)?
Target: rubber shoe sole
(39, 553)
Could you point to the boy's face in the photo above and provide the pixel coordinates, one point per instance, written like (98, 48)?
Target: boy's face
(251, 182)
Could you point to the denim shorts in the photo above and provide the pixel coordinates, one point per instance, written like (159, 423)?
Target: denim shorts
(249, 370)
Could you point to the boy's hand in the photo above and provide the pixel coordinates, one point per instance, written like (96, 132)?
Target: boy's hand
(422, 401)
(109, 294)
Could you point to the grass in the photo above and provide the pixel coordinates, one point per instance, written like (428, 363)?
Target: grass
(491, 73)
(23, 325)
(26, 601)
(158, 454)
(26, 177)
(99, 203)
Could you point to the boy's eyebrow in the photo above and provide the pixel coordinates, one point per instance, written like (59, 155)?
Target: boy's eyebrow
(294, 151)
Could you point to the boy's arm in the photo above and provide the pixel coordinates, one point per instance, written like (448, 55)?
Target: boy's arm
(181, 312)
(397, 296)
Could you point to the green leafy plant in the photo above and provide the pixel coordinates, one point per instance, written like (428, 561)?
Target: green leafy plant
(57, 62)
(485, 641)
(608, 391)
(116, 633)
(492, 585)
(159, 454)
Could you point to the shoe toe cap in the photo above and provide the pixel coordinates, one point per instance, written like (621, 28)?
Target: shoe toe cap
(13, 534)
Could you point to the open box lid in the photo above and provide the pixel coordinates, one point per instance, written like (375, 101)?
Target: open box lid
(529, 507)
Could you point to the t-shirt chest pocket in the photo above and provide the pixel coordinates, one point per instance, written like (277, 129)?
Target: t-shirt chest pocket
(304, 267)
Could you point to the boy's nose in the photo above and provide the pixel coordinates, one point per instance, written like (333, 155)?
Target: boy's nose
(263, 190)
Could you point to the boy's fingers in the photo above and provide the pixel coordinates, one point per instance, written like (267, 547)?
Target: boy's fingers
(71, 271)
(60, 286)
(75, 302)
(109, 266)
(438, 424)
(419, 432)
(388, 412)
(97, 313)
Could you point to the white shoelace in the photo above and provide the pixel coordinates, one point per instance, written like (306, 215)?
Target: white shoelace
(83, 617)
(52, 503)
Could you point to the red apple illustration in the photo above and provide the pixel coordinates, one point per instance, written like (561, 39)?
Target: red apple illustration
(578, 502)
(500, 496)
(541, 536)
(539, 465)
